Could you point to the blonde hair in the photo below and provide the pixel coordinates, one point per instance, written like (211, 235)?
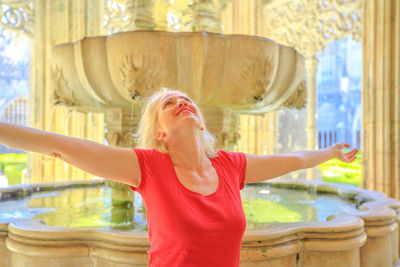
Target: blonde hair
(145, 135)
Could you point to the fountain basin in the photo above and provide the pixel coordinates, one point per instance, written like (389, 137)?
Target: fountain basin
(245, 73)
(366, 237)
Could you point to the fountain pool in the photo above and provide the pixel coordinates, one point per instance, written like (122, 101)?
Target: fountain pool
(289, 223)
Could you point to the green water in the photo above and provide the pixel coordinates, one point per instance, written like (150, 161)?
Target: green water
(92, 208)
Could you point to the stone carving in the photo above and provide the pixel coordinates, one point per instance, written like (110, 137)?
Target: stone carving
(187, 15)
(128, 15)
(203, 17)
(62, 92)
(139, 75)
(258, 73)
(17, 15)
(309, 25)
(112, 138)
(120, 139)
(298, 99)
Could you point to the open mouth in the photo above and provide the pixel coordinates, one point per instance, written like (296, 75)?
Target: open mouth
(180, 111)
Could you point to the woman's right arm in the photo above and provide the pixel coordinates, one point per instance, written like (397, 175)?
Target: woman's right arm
(113, 163)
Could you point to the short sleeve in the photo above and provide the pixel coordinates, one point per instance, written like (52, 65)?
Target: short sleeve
(145, 157)
(240, 162)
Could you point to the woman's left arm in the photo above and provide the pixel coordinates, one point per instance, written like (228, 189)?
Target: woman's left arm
(261, 168)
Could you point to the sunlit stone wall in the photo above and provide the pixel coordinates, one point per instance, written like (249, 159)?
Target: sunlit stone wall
(59, 21)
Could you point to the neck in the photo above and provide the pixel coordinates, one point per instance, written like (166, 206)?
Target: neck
(187, 152)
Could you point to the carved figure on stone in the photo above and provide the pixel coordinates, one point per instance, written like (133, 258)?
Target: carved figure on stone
(140, 74)
(62, 91)
(257, 74)
(299, 99)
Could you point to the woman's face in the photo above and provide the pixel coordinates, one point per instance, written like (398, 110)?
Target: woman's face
(175, 111)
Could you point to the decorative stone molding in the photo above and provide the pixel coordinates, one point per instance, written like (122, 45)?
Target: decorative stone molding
(299, 99)
(309, 25)
(193, 16)
(140, 74)
(62, 91)
(17, 15)
(258, 72)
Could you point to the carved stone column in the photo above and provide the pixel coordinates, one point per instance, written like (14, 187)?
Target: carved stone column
(203, 17)
(311, 68)
(140, 15)
(381, 96)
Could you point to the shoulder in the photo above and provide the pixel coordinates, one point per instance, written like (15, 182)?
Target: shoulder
(149, 155)
(233, 157)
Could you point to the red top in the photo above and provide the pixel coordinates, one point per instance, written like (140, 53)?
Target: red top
(187, 228)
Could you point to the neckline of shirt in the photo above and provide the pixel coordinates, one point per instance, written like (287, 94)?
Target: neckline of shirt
(220, 180)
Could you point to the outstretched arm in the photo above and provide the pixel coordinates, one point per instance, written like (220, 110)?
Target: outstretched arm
(261, 168)
(113, 163)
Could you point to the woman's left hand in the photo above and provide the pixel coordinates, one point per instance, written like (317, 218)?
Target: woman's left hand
(345, 157)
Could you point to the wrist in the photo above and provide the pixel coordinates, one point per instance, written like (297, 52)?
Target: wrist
(333, 152)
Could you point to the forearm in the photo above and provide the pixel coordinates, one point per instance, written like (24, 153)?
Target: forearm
(312, 158)
(26, 138)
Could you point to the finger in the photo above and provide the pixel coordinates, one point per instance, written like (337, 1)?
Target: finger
(353, 152)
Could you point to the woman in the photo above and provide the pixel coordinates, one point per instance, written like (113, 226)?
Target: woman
(191, 192)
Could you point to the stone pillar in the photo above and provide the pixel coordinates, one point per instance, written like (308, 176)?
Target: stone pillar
(140, 15)
(55, 22)
(311, 68)
(381, 96)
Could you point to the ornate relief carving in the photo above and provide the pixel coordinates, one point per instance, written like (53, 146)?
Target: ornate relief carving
(120, 139)
(256, 68)
(128, 15)
(112, 137)
(309, 25)
(62, 92)
(140, 75)
(184, 15)
(17, 15)
(298, 99)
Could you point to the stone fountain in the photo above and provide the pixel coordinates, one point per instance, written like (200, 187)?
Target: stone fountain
(224, 74)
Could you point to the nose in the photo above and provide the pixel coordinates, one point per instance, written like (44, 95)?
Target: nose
(181, 102)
